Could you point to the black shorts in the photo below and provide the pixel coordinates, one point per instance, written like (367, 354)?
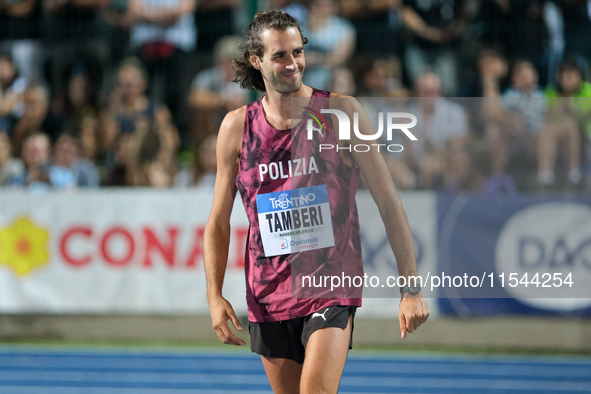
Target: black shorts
(288, 338)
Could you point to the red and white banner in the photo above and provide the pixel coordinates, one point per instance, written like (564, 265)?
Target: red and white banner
(109, 251)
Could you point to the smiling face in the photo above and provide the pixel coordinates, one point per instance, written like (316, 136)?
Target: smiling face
(282, 64)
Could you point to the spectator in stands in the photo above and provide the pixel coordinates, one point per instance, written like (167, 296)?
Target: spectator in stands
(81, 111)
(487, 119)
(163, 32)
(213, 92)
(36, 118)
(513, 123)
(202, 175)
(153, 157)
(81, 100)
(566, 111)
(67, 154)
(382, 79)
(441, 130)
(10, 167)
(75, 33)
(143, 159)
(138, 133)
(332, 42)
(11, 91)
(485, 83)
(435, 28)
(491, 72)
(20, 33)
(40, 174)
(128, 106)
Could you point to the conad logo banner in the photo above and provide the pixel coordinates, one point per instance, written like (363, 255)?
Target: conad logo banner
(110, 251)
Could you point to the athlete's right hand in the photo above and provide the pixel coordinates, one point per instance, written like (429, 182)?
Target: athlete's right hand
(221, 311)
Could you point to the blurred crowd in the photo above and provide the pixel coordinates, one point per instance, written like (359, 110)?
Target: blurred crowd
(132, 92)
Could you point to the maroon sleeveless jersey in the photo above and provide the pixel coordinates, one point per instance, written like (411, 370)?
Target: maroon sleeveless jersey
(300, 203)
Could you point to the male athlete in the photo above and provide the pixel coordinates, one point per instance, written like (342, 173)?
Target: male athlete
(303, 342)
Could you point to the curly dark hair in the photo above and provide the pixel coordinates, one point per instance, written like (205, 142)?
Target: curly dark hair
(246, 75)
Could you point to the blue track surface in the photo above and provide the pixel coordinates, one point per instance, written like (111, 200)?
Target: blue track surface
(45, 370)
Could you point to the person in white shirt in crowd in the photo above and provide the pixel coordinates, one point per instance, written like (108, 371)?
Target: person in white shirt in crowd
(67, 154)
(516, 122)
(331, 42)
(441, 131)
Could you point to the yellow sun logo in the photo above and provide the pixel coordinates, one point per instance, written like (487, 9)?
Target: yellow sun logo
(23, 246)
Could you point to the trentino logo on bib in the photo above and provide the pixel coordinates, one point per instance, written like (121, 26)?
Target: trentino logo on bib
(293, 221)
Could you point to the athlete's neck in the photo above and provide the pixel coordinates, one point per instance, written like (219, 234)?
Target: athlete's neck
(278, 105)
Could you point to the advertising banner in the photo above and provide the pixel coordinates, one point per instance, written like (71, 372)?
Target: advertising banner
(110, 252)
(534, 254)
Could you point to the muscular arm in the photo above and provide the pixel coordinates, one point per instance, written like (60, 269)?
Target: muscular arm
(383, 191)
(413, 309)
(217, 231)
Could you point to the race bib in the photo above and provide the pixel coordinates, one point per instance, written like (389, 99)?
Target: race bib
(294, 221)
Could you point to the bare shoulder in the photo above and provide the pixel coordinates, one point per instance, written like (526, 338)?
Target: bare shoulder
(234, 120)
(345, 103)
(231, 130)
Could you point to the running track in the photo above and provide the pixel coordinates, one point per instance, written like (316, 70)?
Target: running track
(47, 370)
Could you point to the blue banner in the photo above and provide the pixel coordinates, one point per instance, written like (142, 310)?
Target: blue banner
(534, 253)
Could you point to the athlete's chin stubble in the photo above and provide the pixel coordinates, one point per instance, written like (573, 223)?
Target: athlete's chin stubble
(293, 90)
(283, 88)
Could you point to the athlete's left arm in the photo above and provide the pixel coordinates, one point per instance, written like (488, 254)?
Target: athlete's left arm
(414, 310)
